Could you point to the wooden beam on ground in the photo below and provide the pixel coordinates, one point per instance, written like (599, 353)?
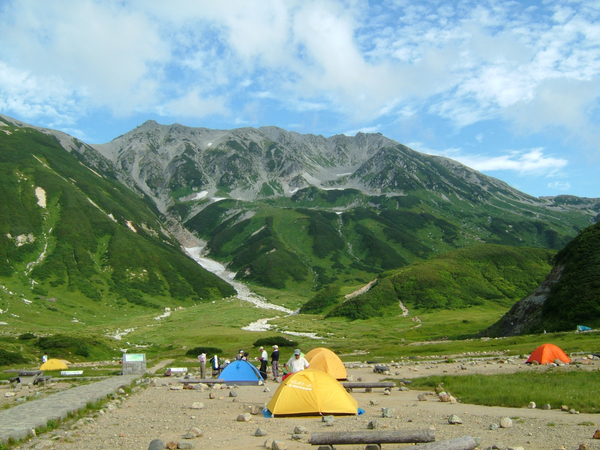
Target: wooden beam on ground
(462, 443)
(373, 437)
(356, 385)
(204, 381)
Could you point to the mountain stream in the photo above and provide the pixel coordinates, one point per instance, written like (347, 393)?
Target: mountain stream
(244, 293)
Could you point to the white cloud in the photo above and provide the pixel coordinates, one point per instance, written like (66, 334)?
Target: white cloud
(531, 161)
(464, 62)
(560, 185)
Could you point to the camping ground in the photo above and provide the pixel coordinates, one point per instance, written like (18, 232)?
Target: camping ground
(163, 411)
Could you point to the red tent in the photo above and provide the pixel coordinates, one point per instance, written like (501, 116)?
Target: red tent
(548, 353)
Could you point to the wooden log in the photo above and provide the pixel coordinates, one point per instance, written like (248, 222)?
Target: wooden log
(356, 385)
(205, 381)
(373, 437)
(461, 443)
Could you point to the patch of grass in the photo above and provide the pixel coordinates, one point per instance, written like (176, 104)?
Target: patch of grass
(587, 424)
(517, 390)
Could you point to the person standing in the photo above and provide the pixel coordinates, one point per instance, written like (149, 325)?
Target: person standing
(275, 363)
(240, 355)
(264, 358)
(202, 359)
(296, 363)
(45, 358)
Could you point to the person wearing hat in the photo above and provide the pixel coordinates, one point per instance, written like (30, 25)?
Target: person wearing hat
(239, 355)
(275, 363)
(297, 362)
(264, 358)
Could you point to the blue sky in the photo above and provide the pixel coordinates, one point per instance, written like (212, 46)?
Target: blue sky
(509, 88)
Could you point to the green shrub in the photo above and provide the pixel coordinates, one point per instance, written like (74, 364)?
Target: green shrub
(9, 358)
(324, 299)
(26, 336)
(275, 340)
(62, 345)
(208, 350)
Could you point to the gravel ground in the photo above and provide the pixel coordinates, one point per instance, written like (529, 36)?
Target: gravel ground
(162, 412)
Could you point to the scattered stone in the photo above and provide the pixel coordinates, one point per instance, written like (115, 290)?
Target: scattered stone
(387, 412)
(212, 395)
(171, 445)
(506, 422)
(232, 394)
(9, 394)
(498, 446)
(267, 390)
(177, 388)
(597, 434)
(494, 426)
(532, 405)
(422, 397)
(278, 445)
(387, 392)
(197, 405)
(185, 445)
(584, 447)
(374, 425)
(547, 407)
(260, 432)
(189, 435)
(573, 411)
(196, 432)
(254, 410)
(403, 388)
(300, 430)
(156, 444)
(297, 437)
(329, 420)
(268, 443)
(454, 419)
(246, 417)
(444, 397)
(515, 448)
(373, 402)
(564, 408)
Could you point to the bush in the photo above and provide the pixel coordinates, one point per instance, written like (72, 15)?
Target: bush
(8, 358)
(275, 340)
(26, 336)
(208, 350)
(62, 345)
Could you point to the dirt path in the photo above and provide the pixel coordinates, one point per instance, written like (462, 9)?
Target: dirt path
(160, 365)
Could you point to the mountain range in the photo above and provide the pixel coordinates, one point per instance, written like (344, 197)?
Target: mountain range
(282, 210)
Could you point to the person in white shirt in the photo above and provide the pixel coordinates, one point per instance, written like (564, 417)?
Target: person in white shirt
(264, 358)
(296, 362)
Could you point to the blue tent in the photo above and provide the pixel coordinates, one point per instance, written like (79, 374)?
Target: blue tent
(583, 328)
(240, 372)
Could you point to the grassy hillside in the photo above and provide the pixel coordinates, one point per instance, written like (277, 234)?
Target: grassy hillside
(69, 236)
(458, 279)
(575, 299)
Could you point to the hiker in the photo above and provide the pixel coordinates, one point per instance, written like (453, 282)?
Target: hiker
(275, 363)
(202, 359)
(240, 355)
(45, 358)
(296, 363)
(245, 357)
(263, 358)
(215, 365)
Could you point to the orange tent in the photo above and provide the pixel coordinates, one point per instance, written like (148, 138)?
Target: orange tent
(548, 353)
(327, 361)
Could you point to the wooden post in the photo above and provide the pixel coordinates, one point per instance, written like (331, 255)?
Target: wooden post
(373, 437)
(462, 443)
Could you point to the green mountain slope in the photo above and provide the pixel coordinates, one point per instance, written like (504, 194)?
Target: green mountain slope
(568, 297)
(458, 279)
(68, 232)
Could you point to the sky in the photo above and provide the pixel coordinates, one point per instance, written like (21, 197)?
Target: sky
(509, 88)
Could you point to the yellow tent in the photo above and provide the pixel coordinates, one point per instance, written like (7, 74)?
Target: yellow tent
(54, 364)
(311, 392)
(327, 361)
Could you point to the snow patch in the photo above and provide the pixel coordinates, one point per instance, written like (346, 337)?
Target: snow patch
(131, 227)
(200, 195)
(41, 196)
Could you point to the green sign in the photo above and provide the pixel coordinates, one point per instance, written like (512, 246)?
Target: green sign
(134, 357)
